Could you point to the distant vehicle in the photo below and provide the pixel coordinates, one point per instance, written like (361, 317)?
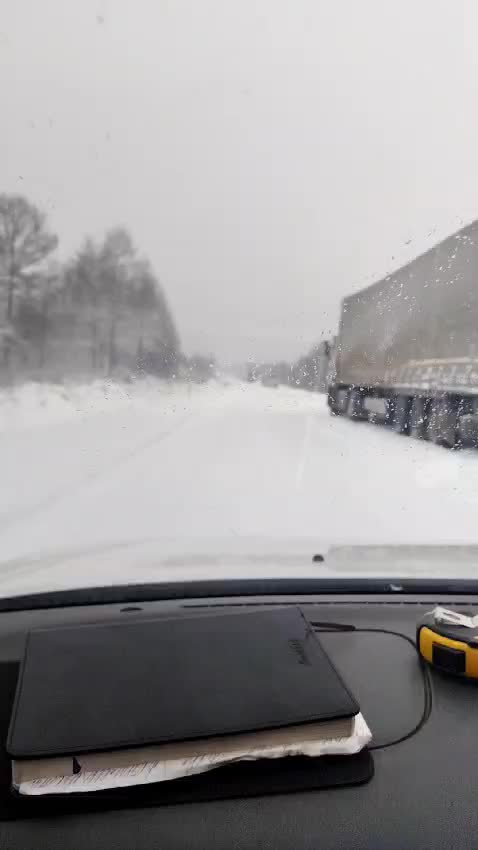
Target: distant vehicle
(310, 371)
(270, 381)
(253, 373)
(406, 353)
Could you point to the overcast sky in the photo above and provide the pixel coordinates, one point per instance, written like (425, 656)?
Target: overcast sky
(269, 156)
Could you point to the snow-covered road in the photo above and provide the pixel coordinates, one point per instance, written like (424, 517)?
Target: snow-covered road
(106, 465)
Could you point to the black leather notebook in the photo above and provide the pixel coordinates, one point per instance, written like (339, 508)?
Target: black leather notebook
(131, 683)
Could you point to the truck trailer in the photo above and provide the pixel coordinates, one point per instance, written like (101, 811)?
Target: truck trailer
(406, 352)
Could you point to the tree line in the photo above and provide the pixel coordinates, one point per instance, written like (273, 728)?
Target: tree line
(100, 312)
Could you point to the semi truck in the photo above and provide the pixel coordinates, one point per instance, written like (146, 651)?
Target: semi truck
(406, 352)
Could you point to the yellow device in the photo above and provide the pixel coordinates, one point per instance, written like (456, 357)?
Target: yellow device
(451, 648)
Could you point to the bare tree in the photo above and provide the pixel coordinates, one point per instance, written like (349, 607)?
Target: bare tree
(24, 243)
(158, 343)
(117, 273)
(167, 328)
(99, 281)
(83, 282)
(106, 300)
(142, 300)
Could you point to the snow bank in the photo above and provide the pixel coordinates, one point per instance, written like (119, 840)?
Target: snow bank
(31, 405)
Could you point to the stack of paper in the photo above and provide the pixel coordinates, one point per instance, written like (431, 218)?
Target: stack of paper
(98, 771)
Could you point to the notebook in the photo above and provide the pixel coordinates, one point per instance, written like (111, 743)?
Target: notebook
(130, 684)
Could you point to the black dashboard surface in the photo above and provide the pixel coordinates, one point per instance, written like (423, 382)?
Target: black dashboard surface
(424, 790)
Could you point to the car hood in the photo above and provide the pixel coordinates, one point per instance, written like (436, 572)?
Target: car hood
(186, 560)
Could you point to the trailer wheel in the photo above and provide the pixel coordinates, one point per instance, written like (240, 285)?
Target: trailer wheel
(401, 414)
(443, 422)
(419, 418)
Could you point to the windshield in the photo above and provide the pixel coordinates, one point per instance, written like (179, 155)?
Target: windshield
(238, 287)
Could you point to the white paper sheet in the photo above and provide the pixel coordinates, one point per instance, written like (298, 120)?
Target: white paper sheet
(173, 768)
(454, 618)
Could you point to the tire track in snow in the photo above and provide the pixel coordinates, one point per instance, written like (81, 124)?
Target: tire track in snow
(304, 453)
(9, 521)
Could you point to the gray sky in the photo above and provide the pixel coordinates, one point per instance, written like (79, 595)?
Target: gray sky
(269, 156)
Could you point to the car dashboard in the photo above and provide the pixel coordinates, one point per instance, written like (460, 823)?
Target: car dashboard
(422, 794)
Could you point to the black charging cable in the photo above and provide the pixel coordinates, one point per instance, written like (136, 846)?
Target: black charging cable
(425, 670)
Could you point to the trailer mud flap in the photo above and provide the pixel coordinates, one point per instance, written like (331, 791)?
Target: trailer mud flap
(419, 418)
(340, 403)
(401, 414)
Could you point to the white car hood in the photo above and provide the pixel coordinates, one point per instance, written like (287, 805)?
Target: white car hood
(185, 560)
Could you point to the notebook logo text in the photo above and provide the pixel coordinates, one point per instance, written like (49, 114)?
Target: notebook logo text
(298, 649)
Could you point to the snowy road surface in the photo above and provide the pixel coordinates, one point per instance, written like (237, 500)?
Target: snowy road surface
(105, 465)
